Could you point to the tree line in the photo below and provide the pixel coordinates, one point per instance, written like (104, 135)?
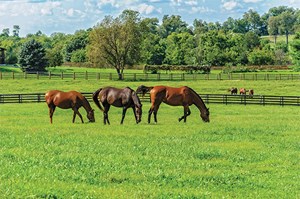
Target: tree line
(128, 40)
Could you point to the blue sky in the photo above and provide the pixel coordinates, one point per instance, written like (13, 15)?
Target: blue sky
(67, 16)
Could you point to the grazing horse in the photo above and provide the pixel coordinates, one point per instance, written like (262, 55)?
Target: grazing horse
(66, 100)
(243, 91)
(125, 98)
(251, 92)
(143, 90)
(233, 91)
(183, 96)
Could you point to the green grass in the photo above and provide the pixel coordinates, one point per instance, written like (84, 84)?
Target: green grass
(244, 152)
(211, 87)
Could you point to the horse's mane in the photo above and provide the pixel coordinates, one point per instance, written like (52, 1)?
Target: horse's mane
(198, 96)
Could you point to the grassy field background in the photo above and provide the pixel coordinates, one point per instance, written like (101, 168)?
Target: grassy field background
(244, 152)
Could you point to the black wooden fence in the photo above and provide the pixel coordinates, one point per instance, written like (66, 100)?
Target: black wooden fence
(207, 98)
(148, 76)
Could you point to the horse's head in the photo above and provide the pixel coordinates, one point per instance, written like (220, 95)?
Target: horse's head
(138, 112)
(205, 115)
(142, 89)
(91, 115)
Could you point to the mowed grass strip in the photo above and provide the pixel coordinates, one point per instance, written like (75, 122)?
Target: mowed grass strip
(245, 151)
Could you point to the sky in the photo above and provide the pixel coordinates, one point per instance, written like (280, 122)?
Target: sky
(67, 16)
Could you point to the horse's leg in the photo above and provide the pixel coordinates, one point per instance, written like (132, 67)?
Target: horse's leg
(186, 112)
(149, 114)
(76, 112)
(123, 114)
(155, 113)
(105, 113)
(133, 108)
(51, 111)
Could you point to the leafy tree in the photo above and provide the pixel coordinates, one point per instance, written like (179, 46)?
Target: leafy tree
(287, 20)
(261, 57)
(78, 41)
(295, 51)
(55, 57)
(172, 24)
(79, 56)
(32, 56)
(179, 48)
(5, 32)
(116, 42)
(16, 30)
(273, 27)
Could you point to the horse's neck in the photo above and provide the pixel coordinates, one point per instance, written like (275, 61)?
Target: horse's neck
(86, 105)
(199, 102)
(135, 99)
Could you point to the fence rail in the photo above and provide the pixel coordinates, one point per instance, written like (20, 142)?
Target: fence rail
(147, 76)
(207, 98)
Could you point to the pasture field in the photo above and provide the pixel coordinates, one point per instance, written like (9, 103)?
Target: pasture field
(244, 152)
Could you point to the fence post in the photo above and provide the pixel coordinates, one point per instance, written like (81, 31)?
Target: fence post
(110, 76)
(158, 76)
(37, 75)
(49, 74)
(20, 98)
(74, 75)
(0, 75)
(86, 75)
(281, 101)
(134, 76)
(98, 76)
(62, 75)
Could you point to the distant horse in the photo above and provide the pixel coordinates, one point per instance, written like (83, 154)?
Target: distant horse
(243, 91)
(251, 92)
(125, 98)
(233, 91)
(143, 90)
(183, 96)
(66, 100)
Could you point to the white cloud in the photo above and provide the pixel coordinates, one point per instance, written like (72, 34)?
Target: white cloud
(191, 3)
(230, 5)
(201, 9)
(145, 9)
(252, 1)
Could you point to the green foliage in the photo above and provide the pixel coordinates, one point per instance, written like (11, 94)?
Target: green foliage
(55, 57)
(116, 42)
(261, 57)
(32, 56)
(295, 51)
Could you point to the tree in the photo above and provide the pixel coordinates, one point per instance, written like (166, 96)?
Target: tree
(55, 57)
(116, 42)
(16, 30)
(273, 27)
(287, 21)
(77, 42)
(32, 56)
(172, 24)
(295, 50)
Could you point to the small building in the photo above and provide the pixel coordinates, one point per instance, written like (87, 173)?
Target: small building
(2, 55)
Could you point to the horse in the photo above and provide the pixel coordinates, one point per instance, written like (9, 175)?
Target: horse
(143, 90)
(66, 100)
(183, 96)
(251, 92)
(233, 91)
(125, 98)
(243, 91)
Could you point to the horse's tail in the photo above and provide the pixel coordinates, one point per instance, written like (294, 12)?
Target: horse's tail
(95, 98)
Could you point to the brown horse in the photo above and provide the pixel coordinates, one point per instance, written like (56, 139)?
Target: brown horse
(243, 91)
(251, 92)
(126, 98)
(66, 100)
(233, 91)
(183, 96)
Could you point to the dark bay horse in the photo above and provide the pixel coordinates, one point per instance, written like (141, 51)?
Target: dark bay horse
(66, 100)
(183, 96)
(233, 91)
(125, 98)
